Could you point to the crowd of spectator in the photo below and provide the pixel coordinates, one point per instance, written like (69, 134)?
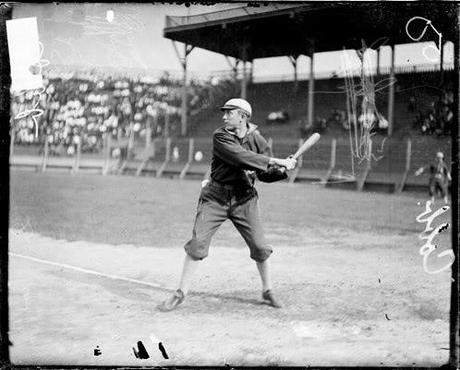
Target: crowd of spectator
(338, 120)
(80, 109)
(279, 116)
(438, 118)
(83, 108)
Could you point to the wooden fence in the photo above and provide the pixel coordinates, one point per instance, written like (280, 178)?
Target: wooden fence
(329, 163)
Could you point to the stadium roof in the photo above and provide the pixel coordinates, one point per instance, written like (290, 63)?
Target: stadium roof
(291, 29)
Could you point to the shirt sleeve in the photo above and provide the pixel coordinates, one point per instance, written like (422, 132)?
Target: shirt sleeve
(234, 154)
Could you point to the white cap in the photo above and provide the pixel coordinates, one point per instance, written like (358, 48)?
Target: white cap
(440, 155)
(238, 103)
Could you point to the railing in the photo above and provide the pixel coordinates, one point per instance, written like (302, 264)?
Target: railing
(287, 77)
(185, 157)
(83, 72)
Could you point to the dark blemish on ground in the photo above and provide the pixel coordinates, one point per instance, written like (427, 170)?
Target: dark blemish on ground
(97, 351)
(386, 316)
(141, 352)
(163, 351)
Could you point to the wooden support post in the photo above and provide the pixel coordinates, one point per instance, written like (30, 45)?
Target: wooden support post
(183, 61)
(333, 152)
(293, 60)
(400, 187)
(76, 163)
(391, 92)
(191, 149)
(45, 155)
(167, 157)
(168, 150)
(311, 89)
(153, 150)
(130, 140)
(184, 106)
(441, 64)
(362, 181)
(148, 156)
(244, 81)
(167, 118)
(107, 142)
(189, 160)
(148, 134)
(326, 178)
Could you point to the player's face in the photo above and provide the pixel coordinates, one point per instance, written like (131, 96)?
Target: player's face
(233, 119)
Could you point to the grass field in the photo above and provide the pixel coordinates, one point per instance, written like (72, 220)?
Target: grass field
(92, 256)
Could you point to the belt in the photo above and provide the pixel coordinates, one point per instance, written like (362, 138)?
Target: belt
(229, 186)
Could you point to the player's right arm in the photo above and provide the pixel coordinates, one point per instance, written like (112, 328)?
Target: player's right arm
(274, 172)
(228, 150)
(420, 171)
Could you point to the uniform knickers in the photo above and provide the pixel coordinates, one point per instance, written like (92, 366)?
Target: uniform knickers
(437, 184)
(216, 204)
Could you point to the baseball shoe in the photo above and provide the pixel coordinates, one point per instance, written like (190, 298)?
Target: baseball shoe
(271, 300)
(171, 303)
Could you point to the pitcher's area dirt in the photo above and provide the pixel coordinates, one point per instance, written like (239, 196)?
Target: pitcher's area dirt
(354, 289)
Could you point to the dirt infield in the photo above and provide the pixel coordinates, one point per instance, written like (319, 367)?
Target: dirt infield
(92, 256)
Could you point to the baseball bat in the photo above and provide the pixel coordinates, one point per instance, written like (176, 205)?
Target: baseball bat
(312, 140)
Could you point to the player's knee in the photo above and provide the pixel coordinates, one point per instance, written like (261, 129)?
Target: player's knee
(260, 254)
(197, 249)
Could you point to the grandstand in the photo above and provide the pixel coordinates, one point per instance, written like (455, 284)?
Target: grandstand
(329, 94)
(101, 95)
(133, 123)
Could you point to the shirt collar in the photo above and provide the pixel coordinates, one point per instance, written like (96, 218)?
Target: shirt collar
(251, 128)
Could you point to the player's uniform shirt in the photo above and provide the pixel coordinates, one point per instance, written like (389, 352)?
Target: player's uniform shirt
(438, 178)
(439, 170)
(237, 161)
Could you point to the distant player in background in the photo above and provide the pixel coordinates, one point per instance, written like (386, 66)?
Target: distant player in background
(240, 155)
(439, 177)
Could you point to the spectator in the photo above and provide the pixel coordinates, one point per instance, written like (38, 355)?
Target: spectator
(382, 123)
(367, 120)
(279, 116)
(412, 106)
(87, 105)
(447, 120)
(338, 119)
(320, 124)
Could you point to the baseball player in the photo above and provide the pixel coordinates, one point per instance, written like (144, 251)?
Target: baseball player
(439, 177)
(240, 155)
